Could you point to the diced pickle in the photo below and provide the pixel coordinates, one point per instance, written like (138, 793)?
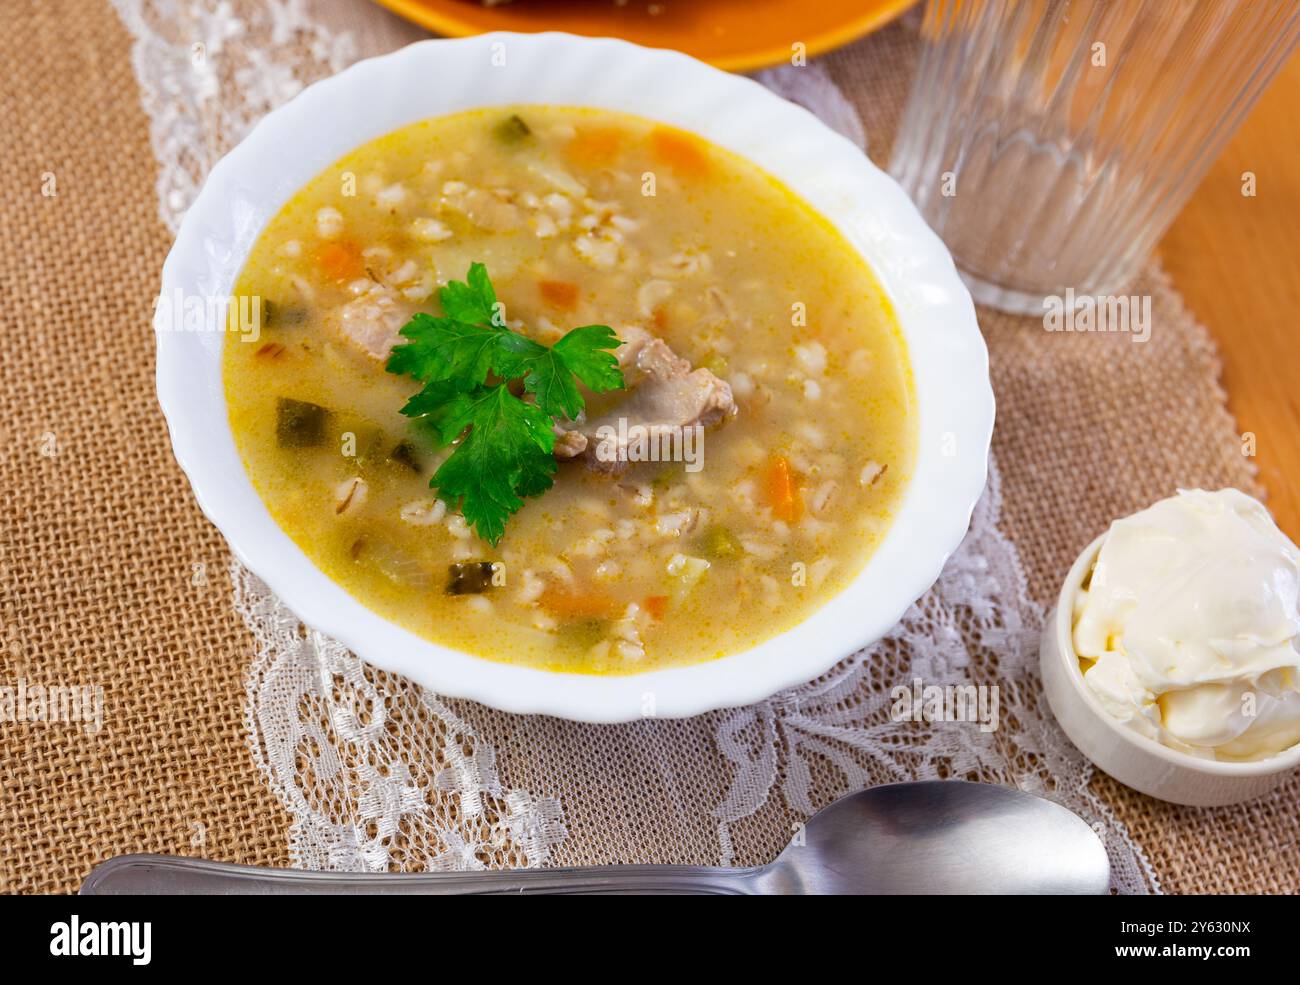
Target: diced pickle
(512, 130)
(720, 543)
(405, 454)
(581, 635)
(366, 446)
(469, 577)
(299, 424)
(276, 315)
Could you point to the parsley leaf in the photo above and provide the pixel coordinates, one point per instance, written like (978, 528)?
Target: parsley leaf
(553, 373)
(432, 401)
(506, 453)
(466, 360)
(473, 301)
(445, 349)
(583, 351)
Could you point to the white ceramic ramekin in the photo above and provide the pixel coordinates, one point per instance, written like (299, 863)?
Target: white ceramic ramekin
(1125, 754)
(433, 78)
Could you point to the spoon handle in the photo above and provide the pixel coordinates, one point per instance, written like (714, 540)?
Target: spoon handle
(170, 875)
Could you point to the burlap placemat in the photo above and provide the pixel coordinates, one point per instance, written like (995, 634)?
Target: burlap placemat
(101, 535)
(110, 577)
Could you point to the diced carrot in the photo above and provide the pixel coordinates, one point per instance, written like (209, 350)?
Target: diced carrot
(340, 260)
(578, 605)
(680, 151)
(559, 294)
(783, 490)
(595, 147)
(656, 605)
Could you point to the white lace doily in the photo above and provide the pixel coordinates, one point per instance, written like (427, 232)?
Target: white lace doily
(380, 774)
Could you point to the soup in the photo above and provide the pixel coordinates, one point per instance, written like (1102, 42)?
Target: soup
(708, 483)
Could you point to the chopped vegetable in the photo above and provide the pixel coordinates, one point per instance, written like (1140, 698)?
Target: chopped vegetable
(569, 605)
(368, 440)
(680, 151)
(405, 454)
(299, 424)
(503, 443)
(512, 130)
(559, 294)
(686, 572)
(470, 577)
(340, 260)
(656, 605)
(275, 315)
(783, 491)
(582, 634)
(395, 563)
(270, 351)
(595, 147)
(720, 543)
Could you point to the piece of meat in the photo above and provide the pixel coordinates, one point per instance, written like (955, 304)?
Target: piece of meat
(373, 321)
(569, 444)
(635, 339)
(664, 395)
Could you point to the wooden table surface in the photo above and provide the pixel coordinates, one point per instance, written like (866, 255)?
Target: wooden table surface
(1236, 262)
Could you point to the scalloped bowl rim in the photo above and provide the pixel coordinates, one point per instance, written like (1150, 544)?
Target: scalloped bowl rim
(372, 97)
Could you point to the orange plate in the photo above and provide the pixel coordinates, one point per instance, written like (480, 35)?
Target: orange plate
(731, 34)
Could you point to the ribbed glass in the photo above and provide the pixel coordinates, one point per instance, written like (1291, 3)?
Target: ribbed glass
(1051, 142)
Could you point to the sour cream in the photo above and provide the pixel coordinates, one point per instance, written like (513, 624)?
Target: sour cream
(1188, 629)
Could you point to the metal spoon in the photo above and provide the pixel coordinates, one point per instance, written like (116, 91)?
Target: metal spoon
(928, 837)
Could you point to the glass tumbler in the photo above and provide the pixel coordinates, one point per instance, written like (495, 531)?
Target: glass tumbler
(1051, 142)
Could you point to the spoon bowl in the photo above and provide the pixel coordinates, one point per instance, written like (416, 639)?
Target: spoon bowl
(933, 837)
(942, 837)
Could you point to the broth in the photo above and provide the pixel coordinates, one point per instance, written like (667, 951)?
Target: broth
(581, 217)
